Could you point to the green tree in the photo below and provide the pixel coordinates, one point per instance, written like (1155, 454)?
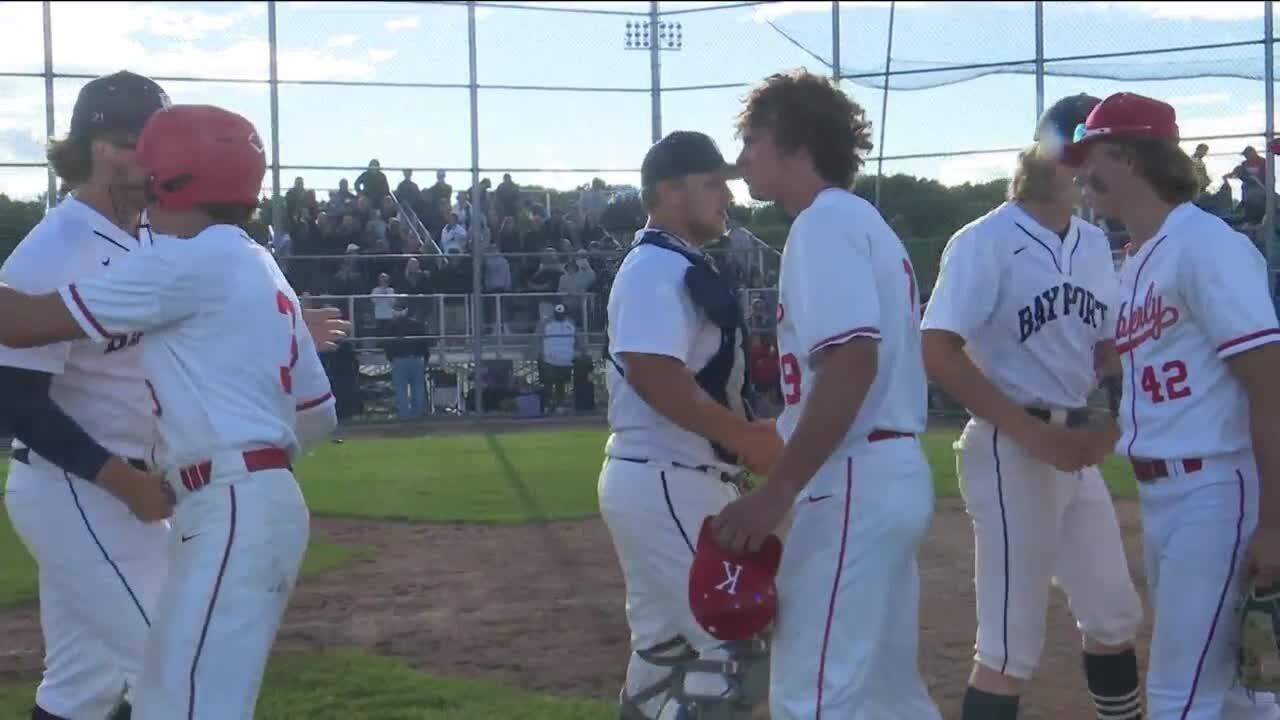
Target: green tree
(17, 217)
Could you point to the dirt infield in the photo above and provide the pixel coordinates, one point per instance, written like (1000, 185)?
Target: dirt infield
(540, 607)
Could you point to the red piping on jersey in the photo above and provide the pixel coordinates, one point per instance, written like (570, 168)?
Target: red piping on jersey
(84, 309)
(1246, 338)
(315, 403)
(835, 584)
(871, 332)
(1133, 380)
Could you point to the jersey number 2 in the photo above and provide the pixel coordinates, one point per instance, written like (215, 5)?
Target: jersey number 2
(1174, 385)
(285, 307)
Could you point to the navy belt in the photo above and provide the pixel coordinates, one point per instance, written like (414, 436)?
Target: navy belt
(682, 466)
(1076, 417)
(23, 455)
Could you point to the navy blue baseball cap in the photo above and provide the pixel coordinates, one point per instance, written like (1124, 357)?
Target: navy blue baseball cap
(1057, 125)
(116, 105)
(680, 154)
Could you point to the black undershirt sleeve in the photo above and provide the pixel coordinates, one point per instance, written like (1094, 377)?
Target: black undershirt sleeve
(30, 415)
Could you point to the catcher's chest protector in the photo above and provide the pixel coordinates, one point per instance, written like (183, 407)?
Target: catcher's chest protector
(724, 378)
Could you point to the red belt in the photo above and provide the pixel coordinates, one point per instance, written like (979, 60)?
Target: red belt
(1151, 470)
(878, 435)
(197, 476)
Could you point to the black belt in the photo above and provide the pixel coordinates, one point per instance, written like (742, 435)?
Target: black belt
(726, 477)
(1076, 417)
(23, 455)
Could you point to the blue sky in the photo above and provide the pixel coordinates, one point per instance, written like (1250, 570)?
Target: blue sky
(429, 128)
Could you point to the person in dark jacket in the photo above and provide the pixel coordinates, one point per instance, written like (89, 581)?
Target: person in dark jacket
(373, 184)
(407, 352)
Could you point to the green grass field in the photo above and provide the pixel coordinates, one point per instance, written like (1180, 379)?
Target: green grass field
(480, 478)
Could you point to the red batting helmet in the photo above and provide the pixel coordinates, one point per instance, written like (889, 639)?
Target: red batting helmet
(1123, 115)
(733, 597)
(201, 155)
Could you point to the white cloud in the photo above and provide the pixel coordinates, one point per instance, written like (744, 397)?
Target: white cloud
(302, 4)
(483, 12)
(1218, 10)
(342, 41)
(976, 168)
(404, 23)
(1199, 99)
(378, 56)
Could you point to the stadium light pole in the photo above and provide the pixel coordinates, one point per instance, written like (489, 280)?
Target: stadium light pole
(884, 102)
(1269, 220)
(654, 36)
(835, 41)
(1039, 60)
(473, 231)
(51, 198)
(273, 80)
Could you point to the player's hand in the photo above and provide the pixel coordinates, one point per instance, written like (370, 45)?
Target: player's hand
(758, 446)
(147, 495)
(1068, 450)
(743, 524)
(326, 326)
(1262, 557)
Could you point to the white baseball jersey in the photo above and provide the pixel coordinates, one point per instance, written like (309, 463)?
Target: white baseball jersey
(1029, 304)
(845, 274)
(1192, 296)
(650, 312)
(97, 382)
(227, 357)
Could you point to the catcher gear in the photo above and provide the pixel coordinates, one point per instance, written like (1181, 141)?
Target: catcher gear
(1259, 668)
(728, 683)
(201, 155)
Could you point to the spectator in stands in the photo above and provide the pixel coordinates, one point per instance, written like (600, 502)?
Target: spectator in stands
(1252, 174)
(496, 277)
(765, 371)
(453, 278)
(592, 202)
(349, 233)
(375, 233)
(453, 236)
(348, 280)
(1197, 166)
(759, 321)
(462, 208)
(576, 282)
(508, 198)
(440, 192)
(508, 236)
(343, 197)
(388, 207)
(384, 303)
(362, 209)
(373, 184)
(407, 351)
(296, 198)
(409, 194)
(546, 279)
(559, 342)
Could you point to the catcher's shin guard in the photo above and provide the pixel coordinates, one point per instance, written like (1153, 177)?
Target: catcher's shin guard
(732, 686)
(1259, 661)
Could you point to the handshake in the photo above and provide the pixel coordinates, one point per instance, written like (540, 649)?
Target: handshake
(1067, 449)
(757, 445)
(148, 496)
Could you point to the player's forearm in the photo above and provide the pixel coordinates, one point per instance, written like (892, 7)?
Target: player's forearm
(840, 385)
(31, 416)
(28, 321)
(1256, 369)
(669, 387)
(950, 368)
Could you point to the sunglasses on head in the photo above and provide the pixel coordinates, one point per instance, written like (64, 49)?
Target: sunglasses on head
(1082, 132)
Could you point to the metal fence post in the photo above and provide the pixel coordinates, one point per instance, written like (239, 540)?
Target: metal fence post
(477, 277)
(884, 103)
(655, 71)
(1269, 220)
(1039, 59)
(273, 79)
(47, 10)
(835, 40)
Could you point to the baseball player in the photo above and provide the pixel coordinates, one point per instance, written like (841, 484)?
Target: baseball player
(853, 471)
(72, 406)
(680, 426)
(236, 388)
(1196, 336)
(1025, 296)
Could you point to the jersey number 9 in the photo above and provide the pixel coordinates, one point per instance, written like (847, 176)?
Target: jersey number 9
(285, 307)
